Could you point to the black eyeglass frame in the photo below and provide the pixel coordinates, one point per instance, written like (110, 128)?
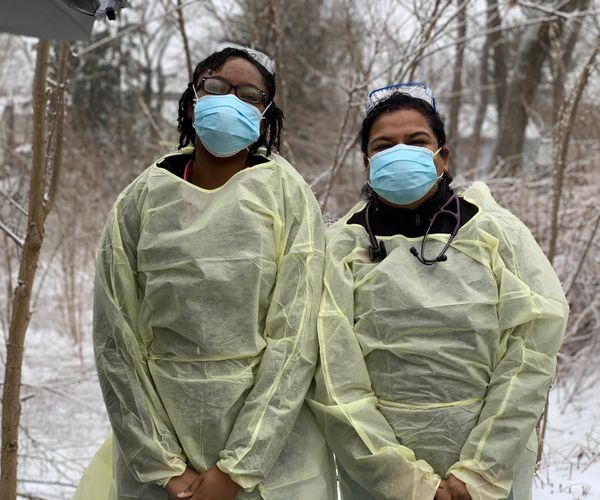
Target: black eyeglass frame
(441, 257)
(201, 86)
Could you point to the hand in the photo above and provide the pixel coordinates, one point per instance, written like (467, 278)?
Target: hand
(457, 489)
(442, 492)
(215, 485)
(183, 486)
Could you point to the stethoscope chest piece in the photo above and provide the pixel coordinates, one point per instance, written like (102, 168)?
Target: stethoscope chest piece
(377, 252)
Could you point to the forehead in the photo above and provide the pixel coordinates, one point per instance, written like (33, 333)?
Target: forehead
(238, 71)
(400, 123)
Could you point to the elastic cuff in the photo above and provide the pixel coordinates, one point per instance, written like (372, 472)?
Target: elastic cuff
(175, 473)
(247, 483)
(478, 487)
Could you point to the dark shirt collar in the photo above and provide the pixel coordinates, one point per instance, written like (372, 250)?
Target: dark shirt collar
(388, 221)
(424, 212)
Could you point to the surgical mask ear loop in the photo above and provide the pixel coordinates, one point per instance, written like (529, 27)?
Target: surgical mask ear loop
(441, 176)
(195, 100)
(262, 117)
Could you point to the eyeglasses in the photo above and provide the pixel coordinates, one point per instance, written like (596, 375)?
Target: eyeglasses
(413, 89)
(441, 257)
(219, 86)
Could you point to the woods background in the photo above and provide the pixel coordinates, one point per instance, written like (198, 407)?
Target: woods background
(516, 81)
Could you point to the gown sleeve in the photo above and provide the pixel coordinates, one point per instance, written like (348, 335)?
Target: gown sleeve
(345, 405)
(142, 430)
(532, 312)
(289, 358)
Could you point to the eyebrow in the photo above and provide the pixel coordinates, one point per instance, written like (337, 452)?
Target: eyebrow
(385, 138)
(418, 133)
(247, 84)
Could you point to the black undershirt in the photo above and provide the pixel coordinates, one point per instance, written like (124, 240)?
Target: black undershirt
(386, 220)
(176, 163)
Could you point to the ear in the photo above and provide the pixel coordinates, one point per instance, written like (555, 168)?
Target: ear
(444, 157)
(190, 110)
(367, 165)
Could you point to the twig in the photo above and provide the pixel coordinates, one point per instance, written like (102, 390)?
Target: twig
(13, 202)
(563, 134)
(49, 483)
(584, 254)
(148, 114)
(561, 146)
(547, 10)
(68, 397)
(131, 29)
(583, 367)
(475, 35)
(13, 236)
(183, 33)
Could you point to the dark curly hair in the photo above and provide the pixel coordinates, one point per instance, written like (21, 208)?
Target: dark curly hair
(397, 102)
(273, 116)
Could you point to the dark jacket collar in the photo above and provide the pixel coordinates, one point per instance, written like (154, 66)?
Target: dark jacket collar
(420, 215)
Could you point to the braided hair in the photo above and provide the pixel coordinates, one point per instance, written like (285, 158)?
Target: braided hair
(273, 116)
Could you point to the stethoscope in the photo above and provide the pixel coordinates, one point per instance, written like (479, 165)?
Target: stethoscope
(378, 252)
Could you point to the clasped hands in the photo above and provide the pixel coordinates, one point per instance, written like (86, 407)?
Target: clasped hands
(212, 484)
(452, 489)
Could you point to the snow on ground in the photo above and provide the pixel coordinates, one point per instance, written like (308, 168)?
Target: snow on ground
(64, 423)
(571, 461)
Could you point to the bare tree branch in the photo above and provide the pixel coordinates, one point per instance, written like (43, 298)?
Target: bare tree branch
(148, 114)
(54, 159)
(11, 407)
(553, 11)
(131, 29)
(13, 236)
(561, 147)
(455, 101)
(495, 39)
(183, 33)
(573, 278)
(13, 202)
(562, 138)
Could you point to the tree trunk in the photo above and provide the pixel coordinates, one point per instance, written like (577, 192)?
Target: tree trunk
(186, 45)
(475, 140)
(574, 30)
(519, 95)
(496, 42)
(43, 183)
(561, 139)
(521, 88)
(457, 77)
(11, 404)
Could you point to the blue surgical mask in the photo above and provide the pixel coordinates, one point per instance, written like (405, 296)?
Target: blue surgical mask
(403, 174)
(225, 124)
